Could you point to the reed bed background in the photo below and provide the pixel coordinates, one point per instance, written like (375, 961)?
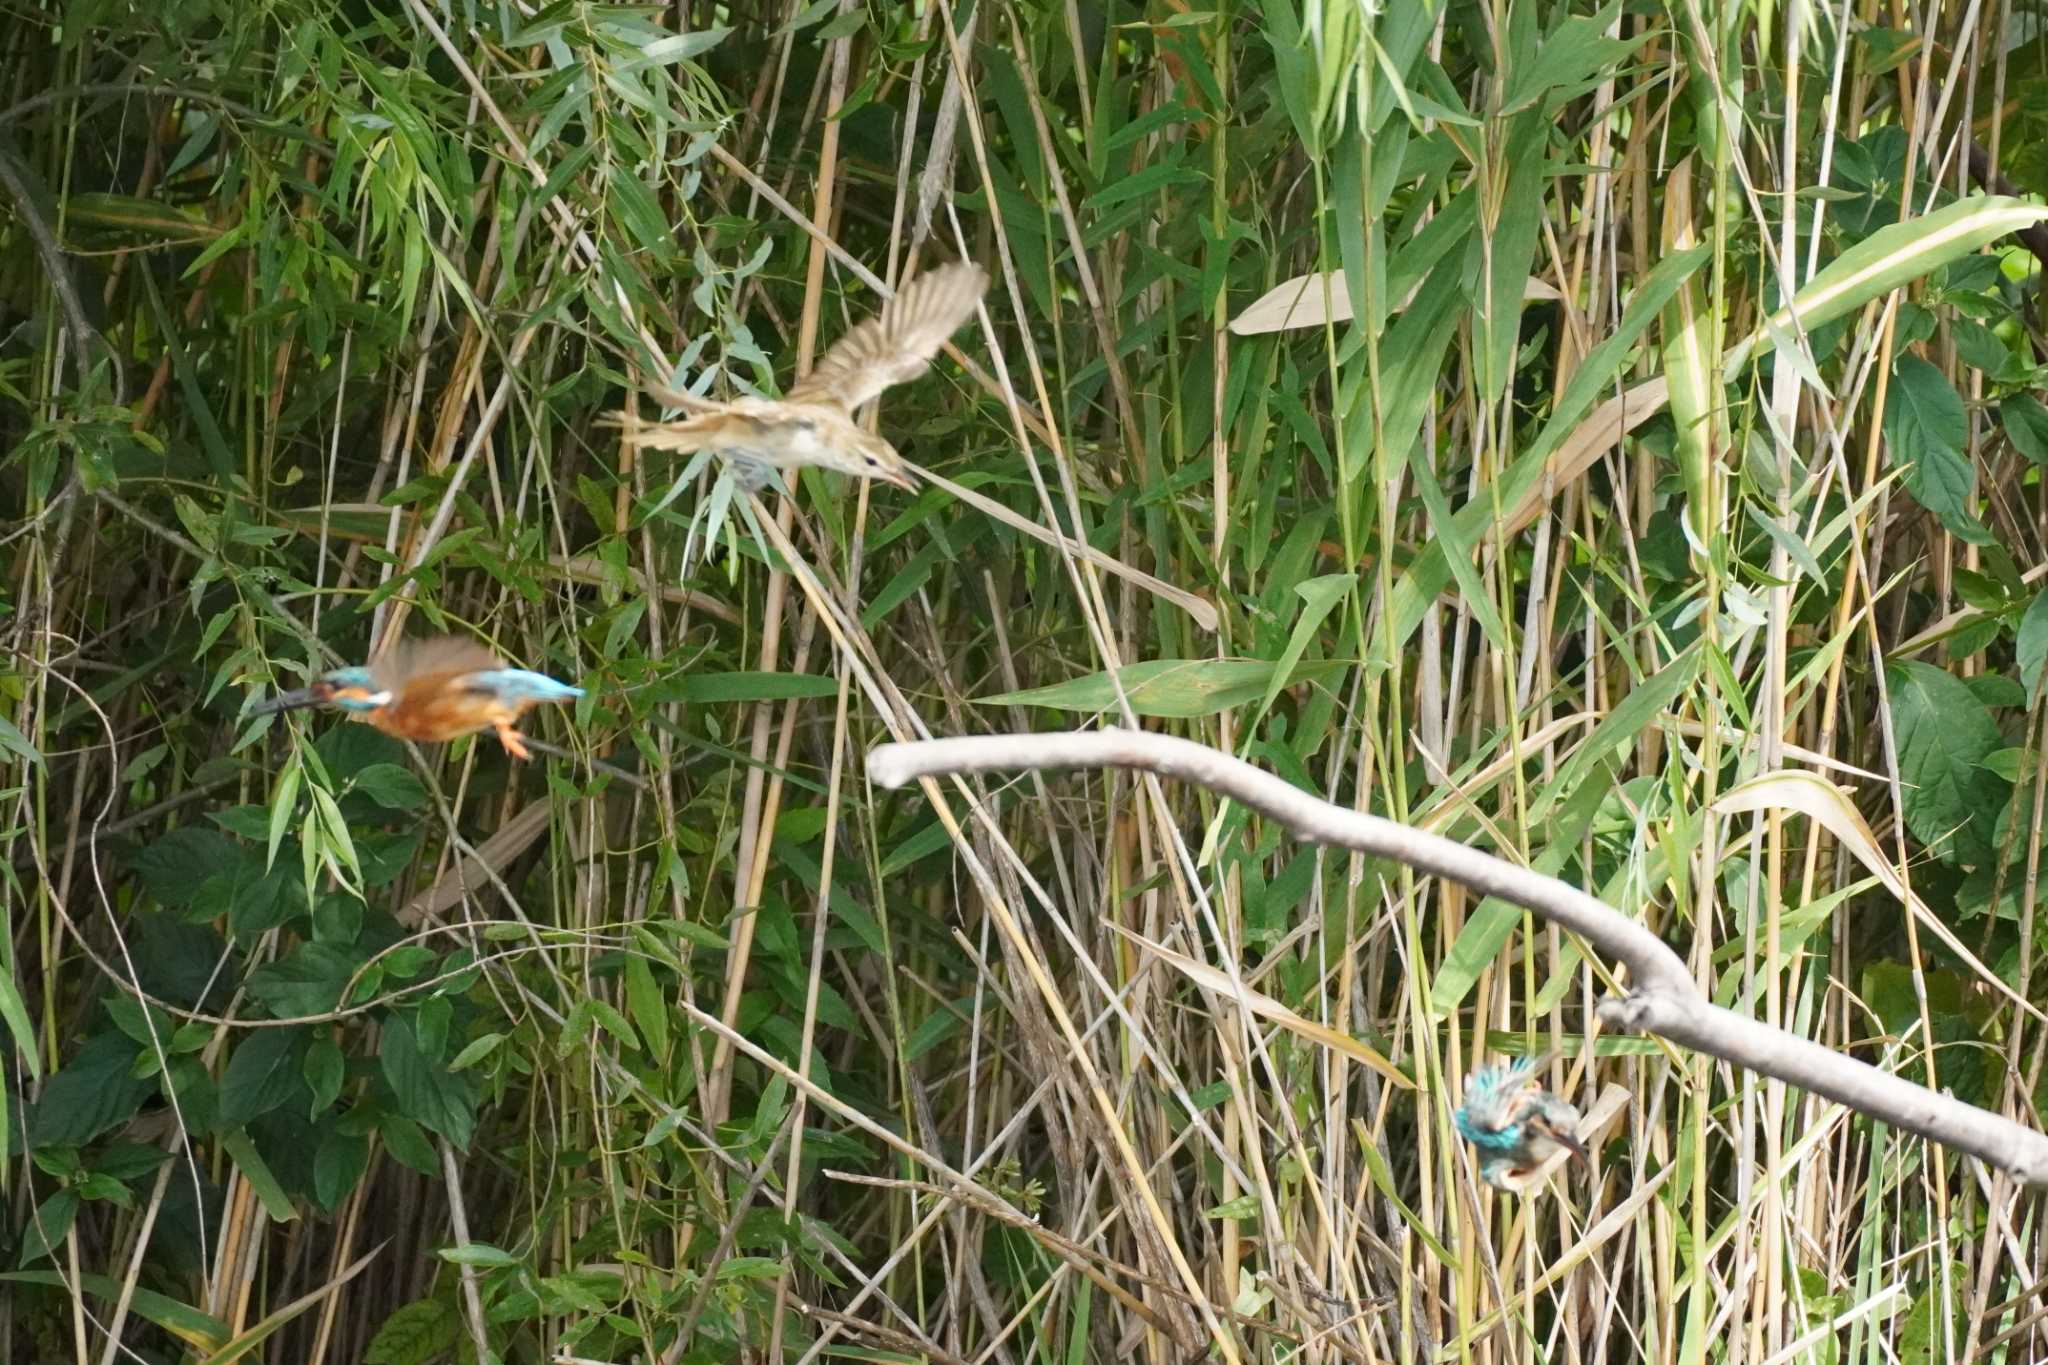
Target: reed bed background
(683, 1044)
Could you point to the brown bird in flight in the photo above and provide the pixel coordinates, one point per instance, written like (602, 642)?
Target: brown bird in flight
(813, 423)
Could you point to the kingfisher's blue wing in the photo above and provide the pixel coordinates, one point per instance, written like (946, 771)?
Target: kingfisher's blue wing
(519, 684)
(1494, 1095)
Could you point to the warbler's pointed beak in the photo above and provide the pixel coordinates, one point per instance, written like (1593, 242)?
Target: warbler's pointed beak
(900, 477)
(287, 701)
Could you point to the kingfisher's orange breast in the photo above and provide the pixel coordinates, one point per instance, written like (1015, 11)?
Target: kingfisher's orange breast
(435, 706)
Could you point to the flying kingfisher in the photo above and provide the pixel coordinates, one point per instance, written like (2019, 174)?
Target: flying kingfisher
(813, 423)
(433, 689)
(1514, 1122)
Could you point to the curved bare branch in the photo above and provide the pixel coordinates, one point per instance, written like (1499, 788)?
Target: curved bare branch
(1662, 999)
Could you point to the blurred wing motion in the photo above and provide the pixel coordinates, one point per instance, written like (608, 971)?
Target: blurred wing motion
(1495, 1095)
(428, 665)
(897, 343)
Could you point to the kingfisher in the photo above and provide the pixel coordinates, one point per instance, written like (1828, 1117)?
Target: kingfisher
(1514, 1122)
(813, 424)
(435, 689)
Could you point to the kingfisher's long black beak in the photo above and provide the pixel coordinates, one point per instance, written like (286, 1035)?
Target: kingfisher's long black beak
(1567, 1139)
(289, 701)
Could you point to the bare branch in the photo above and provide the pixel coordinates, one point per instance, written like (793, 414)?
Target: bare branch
(1663, 999)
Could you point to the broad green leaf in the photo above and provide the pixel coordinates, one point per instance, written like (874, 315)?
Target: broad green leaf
(323, 1070)
(1180, 689)
(2026, 425)
(178, 865)
(45, 1229)
(427, 1091)
(2033, 647)
(416, 1334)
(1925, 431)
(1944, 735)
(1885, 260)
(478, 1049)
(307, 980)
(92, 1092)
(391, 787)
(645, 1000)
(338, 1166)
(262, 1073)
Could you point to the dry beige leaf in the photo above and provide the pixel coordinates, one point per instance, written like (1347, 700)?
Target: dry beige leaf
(1814, 796)
(1300, 302)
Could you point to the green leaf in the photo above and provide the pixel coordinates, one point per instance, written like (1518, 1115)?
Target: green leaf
(338, 1166)
(259, 900)
(1648, 700)
(427, 1091)
(45, 1230)
(727, 687)
(404, 1140)
(1888, 258)
(477, 1253)
(644, 998)
(416, 1334)
(17, 743)
(1925, 431)
(2033, 647)
(1951, 801)
(2026, 425)
(177, 866)
(91, 1093)
(308, 980)
(1150, 180)
(199, 1329)
(391, 787)
(1318, 596)
(324, 1069)
(477, 1050)
(262, 1074)
(257, 1172)
(283, 803)
(1493, 919)
(1180, 689)
(1431, 570)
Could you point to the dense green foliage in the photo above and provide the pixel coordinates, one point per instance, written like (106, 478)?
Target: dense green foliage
(1543, 520)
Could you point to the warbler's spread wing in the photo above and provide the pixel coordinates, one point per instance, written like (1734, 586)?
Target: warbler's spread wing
(897, 343)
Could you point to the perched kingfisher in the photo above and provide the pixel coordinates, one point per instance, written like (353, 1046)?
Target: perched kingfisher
(434, 689)
(1514, 1122)
(812, 424)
